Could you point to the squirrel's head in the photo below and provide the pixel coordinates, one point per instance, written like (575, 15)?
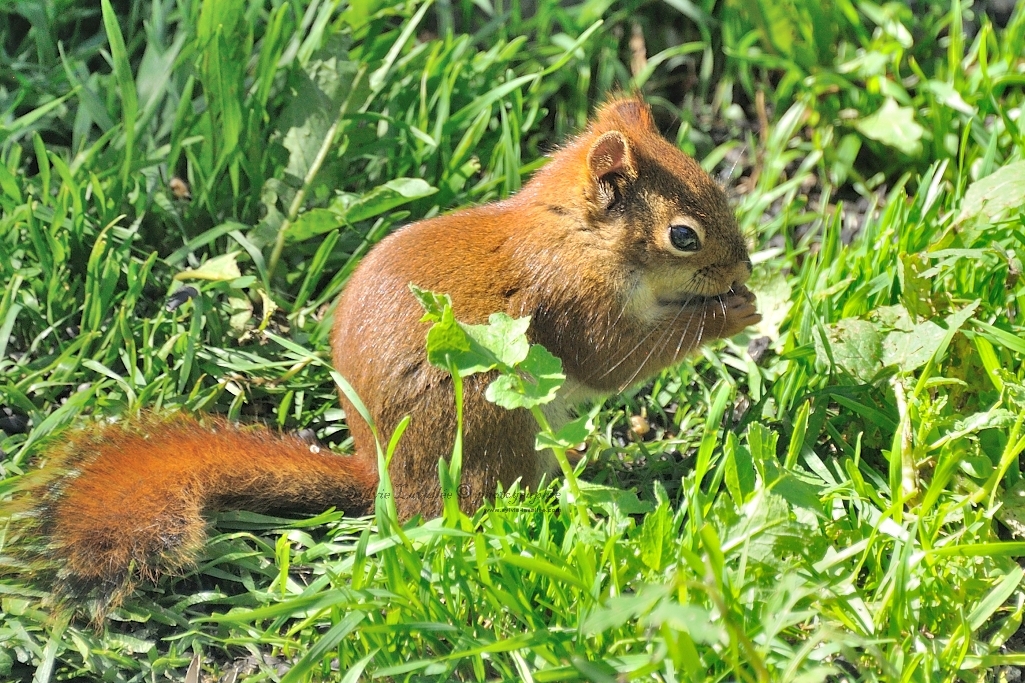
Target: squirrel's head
(653, 211)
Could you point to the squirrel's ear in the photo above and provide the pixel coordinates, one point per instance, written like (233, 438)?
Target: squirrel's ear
(610, 155)
(633, 112)
(611, 166)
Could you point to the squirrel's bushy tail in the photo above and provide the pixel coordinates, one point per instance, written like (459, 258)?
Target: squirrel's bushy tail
(122, 502)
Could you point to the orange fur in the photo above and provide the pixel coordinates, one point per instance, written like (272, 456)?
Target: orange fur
(555, 253)
(122, 502)
(595, 248)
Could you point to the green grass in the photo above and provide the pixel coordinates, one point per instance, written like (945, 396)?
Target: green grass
(845, 507)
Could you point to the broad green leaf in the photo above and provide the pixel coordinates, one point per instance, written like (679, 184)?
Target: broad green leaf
(448, 342)
(317, 94)
(894, 126)
(570, 435)
(611, 500)
(218, 269)
(977, 466)
(948, 95)
(768, 531)
(773, 299)
(799, 493)
(657, 537)
(996, 418)
(895, 317)
(502, 343)
(622, 608)
(383, 198)
(911, 350)
(544, 371)
(504, 336)
(1012, 509)
(856, 347)
(691, 619)
(536, 382)
(739, 471)
(312, 223)
(996, 193)
(434, 304)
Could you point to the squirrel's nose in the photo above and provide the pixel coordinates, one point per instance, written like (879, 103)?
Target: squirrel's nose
(741, 273)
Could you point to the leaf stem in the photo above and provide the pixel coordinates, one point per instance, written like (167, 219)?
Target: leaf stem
(567, 468)
(311, 174)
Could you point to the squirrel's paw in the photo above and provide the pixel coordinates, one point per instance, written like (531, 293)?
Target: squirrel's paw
(740, 311)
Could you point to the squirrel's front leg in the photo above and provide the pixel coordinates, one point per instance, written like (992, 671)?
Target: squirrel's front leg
(685, 330)
(729, 314)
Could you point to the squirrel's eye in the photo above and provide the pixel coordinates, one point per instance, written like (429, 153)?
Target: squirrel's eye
(684, 238)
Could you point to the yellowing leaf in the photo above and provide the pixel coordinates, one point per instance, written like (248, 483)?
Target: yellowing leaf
(218, 269)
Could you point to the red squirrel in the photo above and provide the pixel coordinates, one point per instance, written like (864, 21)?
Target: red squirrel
(622, 250)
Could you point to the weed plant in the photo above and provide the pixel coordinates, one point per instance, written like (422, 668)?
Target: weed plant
(834, 496)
